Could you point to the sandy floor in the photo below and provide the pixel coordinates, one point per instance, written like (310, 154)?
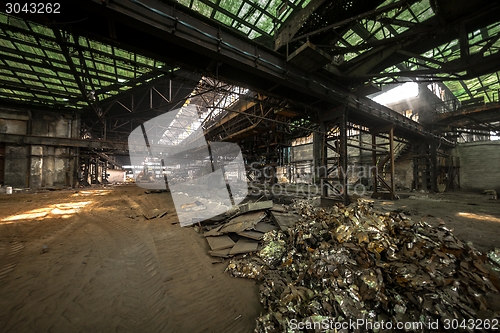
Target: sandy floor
(88, 261)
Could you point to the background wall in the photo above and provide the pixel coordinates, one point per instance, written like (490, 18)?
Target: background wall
(479, 165)
(38, 166)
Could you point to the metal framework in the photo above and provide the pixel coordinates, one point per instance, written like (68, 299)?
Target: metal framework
(261, 72)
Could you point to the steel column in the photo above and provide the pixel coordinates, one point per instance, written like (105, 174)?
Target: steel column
(343, 155)
(392, 161)
(374, 163)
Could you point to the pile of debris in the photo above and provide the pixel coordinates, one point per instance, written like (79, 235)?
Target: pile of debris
(347, 263)
(245, 227)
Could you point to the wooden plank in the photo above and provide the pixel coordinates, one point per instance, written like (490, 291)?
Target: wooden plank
(220, 253)
(284, 220)
(265, 227)
(251, 234)
(243, 222)
(278, 208)
(220, 242)
(244, 246)
(213, 232)
(253, 206)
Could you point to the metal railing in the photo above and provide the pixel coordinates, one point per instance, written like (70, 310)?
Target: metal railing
(455, 104)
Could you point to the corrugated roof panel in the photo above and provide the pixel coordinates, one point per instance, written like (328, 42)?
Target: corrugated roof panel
(11, 79)
(36, 83)
(28, 76)
(223, 18)
(37, 28)
(202, 8)
(7, 43)
(6, 71)
(265, 23)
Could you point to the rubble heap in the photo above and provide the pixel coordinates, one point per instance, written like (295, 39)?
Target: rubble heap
(349, 263)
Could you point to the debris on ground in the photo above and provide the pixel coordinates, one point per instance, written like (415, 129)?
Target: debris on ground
(284, 220)
(348, 263)
(493, 194)
(244, 227)
(194, 206)
(244, 245)
(220, 242)
(155, 213)
(253, 206)
(495, 257)
(156, 191)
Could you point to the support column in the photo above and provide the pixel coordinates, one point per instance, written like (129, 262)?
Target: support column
(392, 160)
(374, 164)
(416, 181)
(433, 166)
(319, 157)
(343, 156)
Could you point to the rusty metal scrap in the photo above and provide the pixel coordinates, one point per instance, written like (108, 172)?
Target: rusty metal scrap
(349, 263)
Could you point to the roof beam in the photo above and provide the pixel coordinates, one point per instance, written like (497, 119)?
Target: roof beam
(464, 42)
(420, 57)
(234, 17)
(62, 142)
(44, 63)
(290, 28)
(76, 75)
(356, 18)
(393, 21)
(33, 89)
(6, 27)
(152, 26)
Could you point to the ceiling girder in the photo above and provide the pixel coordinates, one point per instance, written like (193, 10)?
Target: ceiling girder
(293, 25)
(87, 95)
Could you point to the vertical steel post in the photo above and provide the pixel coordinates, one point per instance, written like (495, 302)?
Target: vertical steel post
(433, 166)
(391, 152)
(374, 164)
(343, 155)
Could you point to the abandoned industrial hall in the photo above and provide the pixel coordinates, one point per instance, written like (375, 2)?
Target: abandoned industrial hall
(267, 166)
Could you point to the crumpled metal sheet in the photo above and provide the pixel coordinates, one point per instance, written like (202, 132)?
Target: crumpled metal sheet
(495, 256)
(273, 247)
(247, 267)
(348, 263)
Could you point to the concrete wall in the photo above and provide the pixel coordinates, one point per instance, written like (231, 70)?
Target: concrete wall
(479, 165)
(16, 166)
(116, 176)
(39, 166)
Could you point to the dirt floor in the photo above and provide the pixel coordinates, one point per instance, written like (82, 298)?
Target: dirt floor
(474, 217)
(88, 261)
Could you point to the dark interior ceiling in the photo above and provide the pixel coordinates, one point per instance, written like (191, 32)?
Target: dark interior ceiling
(121, 62)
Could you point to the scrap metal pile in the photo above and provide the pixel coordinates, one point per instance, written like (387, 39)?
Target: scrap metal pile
(349, 263)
